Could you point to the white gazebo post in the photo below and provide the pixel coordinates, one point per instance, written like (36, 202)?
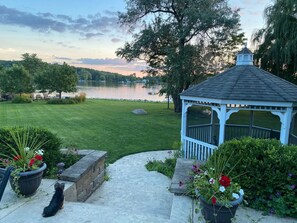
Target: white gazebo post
(185, 107)
(285, 118)
(223, 116)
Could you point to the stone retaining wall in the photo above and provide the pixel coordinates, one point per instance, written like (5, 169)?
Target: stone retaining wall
(87, 175)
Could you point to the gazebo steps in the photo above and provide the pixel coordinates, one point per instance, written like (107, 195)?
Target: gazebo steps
(181, 175)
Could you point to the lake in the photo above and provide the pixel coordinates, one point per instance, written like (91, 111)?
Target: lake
(135, 91)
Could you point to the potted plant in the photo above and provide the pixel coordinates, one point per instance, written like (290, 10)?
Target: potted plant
(24, 154)
(219, 195)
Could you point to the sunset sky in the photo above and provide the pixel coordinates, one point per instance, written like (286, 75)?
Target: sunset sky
(83, 33)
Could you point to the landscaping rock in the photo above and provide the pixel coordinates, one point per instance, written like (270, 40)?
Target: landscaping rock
(139, 112)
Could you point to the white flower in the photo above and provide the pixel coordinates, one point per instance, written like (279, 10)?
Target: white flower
(236, 196)
(212, 181)
(241, 192)
(205, 172)
(27, 149)
(222, 189)
(40, 152)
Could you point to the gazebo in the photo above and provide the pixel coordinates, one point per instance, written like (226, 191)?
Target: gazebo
(242, 87)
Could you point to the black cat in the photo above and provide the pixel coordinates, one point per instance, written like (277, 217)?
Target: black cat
(57, 201)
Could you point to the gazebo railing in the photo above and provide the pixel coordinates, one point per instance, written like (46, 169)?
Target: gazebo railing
(195, 149)
(292, 139)
(205, 133)
(201, 140)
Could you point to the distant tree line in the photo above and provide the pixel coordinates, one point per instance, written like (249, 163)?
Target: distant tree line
(31, 74)
(87, 74)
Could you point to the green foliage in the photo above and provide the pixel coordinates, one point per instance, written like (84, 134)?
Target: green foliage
(32, 64)
(66, 101)
(16, 80)
(165, 167)
(269, 173)
(180, 39)
(57, 78)
(21, 99)
(77, 99)
(277, 41)
(68, 158)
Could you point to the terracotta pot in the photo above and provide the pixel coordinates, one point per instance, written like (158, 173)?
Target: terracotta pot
(28, 182)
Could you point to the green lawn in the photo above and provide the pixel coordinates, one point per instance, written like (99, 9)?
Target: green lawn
(100, 124)
(110, 125)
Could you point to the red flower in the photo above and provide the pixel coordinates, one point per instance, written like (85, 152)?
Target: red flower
(213, 200)
(32, 161)
(38, 157)
(15, 158)
(225, 181)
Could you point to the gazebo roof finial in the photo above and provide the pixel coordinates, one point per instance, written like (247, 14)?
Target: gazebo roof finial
(245, 56)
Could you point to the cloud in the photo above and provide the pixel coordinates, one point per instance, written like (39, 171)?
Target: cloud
(113, 63)
(66, 45)
(115, 40)
(47, 22)
(62, 58)
(10, 50)
(105, 61)
(90, 35)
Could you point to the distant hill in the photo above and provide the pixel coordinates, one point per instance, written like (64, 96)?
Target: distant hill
(87, 73)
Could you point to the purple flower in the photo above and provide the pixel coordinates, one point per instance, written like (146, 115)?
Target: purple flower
(293, 186)
(181, 183)
(196, 169)
(290, 175)
(271, 211)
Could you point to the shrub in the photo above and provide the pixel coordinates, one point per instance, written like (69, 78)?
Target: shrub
(21, 99)
(61, 101)
(166, 167)
(80, 98)
(270, 173)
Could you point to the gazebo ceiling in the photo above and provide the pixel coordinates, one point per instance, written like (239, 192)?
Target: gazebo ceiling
(245, 83)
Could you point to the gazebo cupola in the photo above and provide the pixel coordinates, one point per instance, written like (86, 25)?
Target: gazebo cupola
(243, 87)
(244, 57)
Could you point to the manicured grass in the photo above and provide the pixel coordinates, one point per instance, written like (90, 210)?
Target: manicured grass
(100, 124)
(111, 126)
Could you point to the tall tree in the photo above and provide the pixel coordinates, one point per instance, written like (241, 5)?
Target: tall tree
(59, 78)
(15, 80)
(32, 63)
(277, 41)
(175, 37)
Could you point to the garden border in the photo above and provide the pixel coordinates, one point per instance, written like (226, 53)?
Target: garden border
(86, 175)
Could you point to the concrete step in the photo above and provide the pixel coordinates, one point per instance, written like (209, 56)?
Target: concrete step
(82, 213)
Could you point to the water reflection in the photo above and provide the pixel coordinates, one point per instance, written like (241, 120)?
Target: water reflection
(135, 91)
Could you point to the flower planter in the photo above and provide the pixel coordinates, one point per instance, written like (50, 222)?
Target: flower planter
(219, 213)
(28, 182)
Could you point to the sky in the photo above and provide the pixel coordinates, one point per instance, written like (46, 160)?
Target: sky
(84, 33)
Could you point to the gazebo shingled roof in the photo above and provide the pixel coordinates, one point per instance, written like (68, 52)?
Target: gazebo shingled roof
(245, 82)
